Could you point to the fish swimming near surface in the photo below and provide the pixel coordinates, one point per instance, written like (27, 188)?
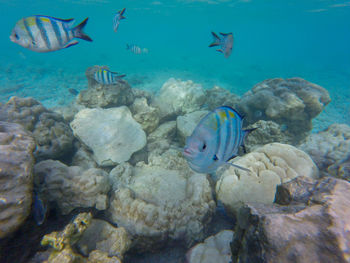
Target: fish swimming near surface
(44, 33)
(106, 77)
(136, 49)
(225, 43)
(215, 140)
(116, 19)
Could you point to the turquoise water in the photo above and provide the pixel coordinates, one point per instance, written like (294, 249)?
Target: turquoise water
(272, 39)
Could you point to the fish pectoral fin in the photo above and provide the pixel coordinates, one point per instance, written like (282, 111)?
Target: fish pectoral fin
(240, 167)
(71, 43)
(220, 50)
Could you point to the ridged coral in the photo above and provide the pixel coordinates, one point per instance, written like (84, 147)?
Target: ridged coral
(16, 176)
(270, 165)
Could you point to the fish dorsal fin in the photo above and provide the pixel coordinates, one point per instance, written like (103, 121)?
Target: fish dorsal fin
(225, 34)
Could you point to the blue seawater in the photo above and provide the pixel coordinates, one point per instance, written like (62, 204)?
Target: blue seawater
(308, 39)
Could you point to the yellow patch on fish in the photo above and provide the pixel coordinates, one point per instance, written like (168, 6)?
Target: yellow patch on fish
(31, 21)
(45, 19)
(232, 115)
(21, 24)
(222, 116)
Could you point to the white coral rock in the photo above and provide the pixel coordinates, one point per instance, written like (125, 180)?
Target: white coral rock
(178, 97)
(215, 249)
(156, 204)
(112, 134)
(270, 165)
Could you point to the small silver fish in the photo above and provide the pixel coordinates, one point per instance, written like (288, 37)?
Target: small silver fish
(116, 19)
(215, 140)
(136, 49)
(226, 43)
(44, 34)
(106, 77)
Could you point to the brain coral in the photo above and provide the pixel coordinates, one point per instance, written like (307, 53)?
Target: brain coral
(270, 166)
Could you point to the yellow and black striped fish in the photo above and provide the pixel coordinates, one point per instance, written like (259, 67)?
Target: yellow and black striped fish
(106, 77)
(44, 34)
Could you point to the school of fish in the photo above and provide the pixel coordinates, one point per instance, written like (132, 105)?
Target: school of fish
(217, 137)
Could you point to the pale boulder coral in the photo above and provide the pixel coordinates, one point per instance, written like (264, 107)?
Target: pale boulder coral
(71, 187)
(214, 249)
(178, 97)
(293, 102)
(270, 166)
(144, 114)
(16, 176)
(112, 134)
(156, 205)
(330, 150)
(53, 137)
(104, 237)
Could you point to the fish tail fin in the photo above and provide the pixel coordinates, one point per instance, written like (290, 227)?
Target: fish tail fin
(128, 46)
(78, 31)
(216, 40)
(118, 77)
(122, 13)
(245, 134)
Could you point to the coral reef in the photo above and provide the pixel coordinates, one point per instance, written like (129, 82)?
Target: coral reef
(104, 96)
(330, 150)
(104, 237)
(214, 249)
(144, 114)
(157, 204)
(266, 132)
(312, 228)
(216, 97)
(270, 166)
(112, 134)
(292, 102)
(162, 137)
(72, 186)
(178, 97)
(16, 176)
(187, 123)
(53, 137)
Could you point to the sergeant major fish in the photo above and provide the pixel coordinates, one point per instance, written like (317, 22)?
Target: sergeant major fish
(226, 43)
(116, 20)
(44, 34)
(106, 77)
(136, 49)
(215, 140)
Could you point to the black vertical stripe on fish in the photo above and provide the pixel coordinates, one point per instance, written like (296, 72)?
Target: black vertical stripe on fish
(43, 32)
(27, 27)
(66, 33)
(237, 137)
(218, 137)
(230, 135)
(109, 77)
(56, 29)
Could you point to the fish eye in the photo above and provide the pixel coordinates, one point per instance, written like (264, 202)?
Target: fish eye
(16, 36)
(204, 146)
